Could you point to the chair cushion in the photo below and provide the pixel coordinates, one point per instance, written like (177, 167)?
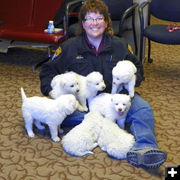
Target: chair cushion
(159, 33)
(166, 9)
(30, 34)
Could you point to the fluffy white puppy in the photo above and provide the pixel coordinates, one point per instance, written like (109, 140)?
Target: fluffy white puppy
(82, 139)
(48, 111)
(66, 83)
(114, 140)
(83, 87)
(89, 87)
(112, 106)
(124, 75)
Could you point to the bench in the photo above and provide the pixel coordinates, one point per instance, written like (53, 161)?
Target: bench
(25, 20)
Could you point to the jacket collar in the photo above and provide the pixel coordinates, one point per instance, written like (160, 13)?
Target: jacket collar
(84, 48)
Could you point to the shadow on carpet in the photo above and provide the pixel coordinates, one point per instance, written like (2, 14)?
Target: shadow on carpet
(23, 57)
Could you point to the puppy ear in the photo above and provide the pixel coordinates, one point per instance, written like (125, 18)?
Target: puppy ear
(62, 82)
(112, 97)
(88, 82)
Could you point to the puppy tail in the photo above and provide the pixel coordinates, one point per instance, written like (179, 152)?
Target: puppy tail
(85, 153)
(23, 95)
(80, 154)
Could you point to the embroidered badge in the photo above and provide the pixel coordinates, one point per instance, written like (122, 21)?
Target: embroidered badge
(57, 53)
(79, 57)
(130, 49)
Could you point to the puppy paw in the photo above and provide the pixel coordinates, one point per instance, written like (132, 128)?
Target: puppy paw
(131, 95)
(31, 134)
(103, 149)
(80, 108)
(85, 109)
(56, 139)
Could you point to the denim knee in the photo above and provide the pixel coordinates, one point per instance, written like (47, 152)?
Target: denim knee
(73, 119)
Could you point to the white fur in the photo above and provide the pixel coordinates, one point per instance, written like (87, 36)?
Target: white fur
(49, 111)
(66, 83)
(82, 139)
(114, 140)
(124, 75)
(95, 130)
(89, 87)
(112, 106)
(83, 87)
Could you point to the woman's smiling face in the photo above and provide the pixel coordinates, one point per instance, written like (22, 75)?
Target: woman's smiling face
(94, 25)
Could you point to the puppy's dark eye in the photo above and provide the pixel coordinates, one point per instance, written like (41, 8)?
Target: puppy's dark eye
(124, 104)
(72, 86)
(116, 104)
(97, 84)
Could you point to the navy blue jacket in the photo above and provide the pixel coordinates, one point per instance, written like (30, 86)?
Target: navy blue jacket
(78, 57)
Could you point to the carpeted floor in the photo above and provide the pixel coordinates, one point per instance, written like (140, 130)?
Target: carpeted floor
(23, 56)
(22, 158)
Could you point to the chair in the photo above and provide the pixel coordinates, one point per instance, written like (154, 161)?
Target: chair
(122, 15)
(168, 10)
(24, 22)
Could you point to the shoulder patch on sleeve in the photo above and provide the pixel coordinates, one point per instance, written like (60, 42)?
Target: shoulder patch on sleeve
(130, 49)
(57, 53)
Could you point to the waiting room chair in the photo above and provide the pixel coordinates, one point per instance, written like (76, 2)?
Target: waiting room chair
(122, 14)
(168, 10)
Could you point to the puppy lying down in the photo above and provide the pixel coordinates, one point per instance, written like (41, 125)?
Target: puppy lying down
(48, 111)
(114, 140)
(95, 130)
(82, 139)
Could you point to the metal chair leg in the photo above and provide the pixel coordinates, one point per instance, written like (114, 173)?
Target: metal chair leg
(149, 51)
(49, 50)
(141, 48)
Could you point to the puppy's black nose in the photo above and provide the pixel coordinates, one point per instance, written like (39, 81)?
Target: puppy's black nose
(120, 110)
(77, 90)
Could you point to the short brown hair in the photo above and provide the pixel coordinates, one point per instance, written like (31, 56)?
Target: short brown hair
(97, 6)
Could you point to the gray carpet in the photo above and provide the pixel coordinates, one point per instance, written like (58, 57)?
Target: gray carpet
(23, 56)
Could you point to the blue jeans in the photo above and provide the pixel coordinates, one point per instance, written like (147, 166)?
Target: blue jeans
(140, 118)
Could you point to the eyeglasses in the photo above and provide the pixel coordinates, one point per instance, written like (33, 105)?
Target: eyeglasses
(91, 20)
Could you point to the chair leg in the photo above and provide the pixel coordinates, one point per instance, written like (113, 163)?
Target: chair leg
(149, 51)
(134, 34)
(141, 48)
(36, 66)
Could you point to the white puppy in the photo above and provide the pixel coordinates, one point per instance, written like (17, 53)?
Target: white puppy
(82, 139)
(48, 111)
(83, 87)
(112, 106)
(66, 83)
(114, 140)
(89, 87)
(124, 75)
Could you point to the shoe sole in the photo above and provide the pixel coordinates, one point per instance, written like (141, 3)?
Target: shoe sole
(150, 159)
